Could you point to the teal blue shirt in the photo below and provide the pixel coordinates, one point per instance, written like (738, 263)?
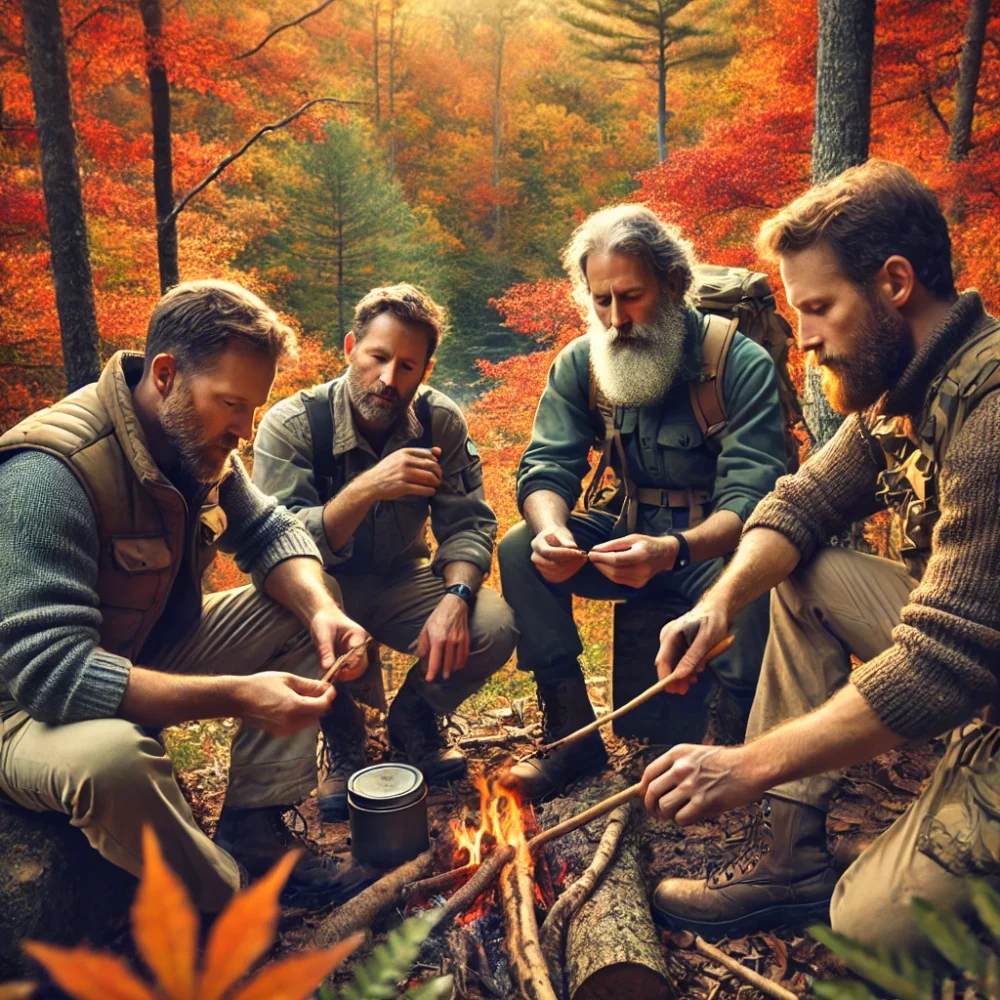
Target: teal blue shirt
(664, 446)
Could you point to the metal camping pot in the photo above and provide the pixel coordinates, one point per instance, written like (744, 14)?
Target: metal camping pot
(387, 805)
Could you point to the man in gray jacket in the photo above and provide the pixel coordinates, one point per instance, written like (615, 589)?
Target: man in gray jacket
(364, 462)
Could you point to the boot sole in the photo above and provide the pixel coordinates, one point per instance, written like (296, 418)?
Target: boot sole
(787, 914)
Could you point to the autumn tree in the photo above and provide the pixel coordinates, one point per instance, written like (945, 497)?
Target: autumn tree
(45, 47)
(968, 78)
(639, 33)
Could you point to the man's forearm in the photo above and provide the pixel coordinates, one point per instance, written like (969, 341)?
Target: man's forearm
(300, 586)
(544, 510)
(462, 572)
(843, 731)
(763, 559)
(345, 512)
(157, 699)
(716, 536)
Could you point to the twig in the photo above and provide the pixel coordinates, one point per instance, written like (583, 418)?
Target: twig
(365, 908)
(575, 822)
(484, 877)
(638, 700)
(171, 219)
(755, 979)
(341, 662)
(455, 878)
(284, 27)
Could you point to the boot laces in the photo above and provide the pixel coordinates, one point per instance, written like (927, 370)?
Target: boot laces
(343, 756)
(756, 843)
(291, 825)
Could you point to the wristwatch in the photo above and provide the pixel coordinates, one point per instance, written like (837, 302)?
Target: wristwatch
(464, 591)
(683, 553)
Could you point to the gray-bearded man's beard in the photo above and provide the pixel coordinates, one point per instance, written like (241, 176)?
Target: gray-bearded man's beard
(199, 460)
(375, 413)
(639, 368)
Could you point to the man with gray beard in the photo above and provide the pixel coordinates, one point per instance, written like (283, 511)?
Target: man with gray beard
(682, 495)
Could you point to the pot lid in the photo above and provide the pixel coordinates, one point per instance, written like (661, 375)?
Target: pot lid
(386, 786)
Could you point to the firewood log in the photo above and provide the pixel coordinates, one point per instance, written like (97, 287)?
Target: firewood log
(517, 893)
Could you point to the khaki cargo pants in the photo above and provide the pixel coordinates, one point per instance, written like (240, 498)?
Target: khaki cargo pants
(844, 602)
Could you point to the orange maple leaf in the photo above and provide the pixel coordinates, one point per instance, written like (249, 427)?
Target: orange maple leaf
(165, 930)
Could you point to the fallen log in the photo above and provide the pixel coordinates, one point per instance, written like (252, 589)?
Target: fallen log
(517, 894)
(612, 946)
(552, 934)
(364, 909)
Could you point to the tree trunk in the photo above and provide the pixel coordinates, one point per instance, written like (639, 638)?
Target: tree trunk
(501, 40)
(843, 86)
(340, 256)
(163, 166)
(392, 87)
(968, 79)
(661, 102)
(46, 50)
(375, 69)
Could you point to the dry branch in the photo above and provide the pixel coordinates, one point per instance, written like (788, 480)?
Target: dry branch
(755, 979)
(517, 894)
(552, 934)
(447, 881)
(575, 822)
(365, 908)
(284, 27)
(478, 884)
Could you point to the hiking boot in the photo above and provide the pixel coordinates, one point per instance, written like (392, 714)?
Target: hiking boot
(783, 875)
(413, 728)
(257, 838)
(344, 752)
(565, 708)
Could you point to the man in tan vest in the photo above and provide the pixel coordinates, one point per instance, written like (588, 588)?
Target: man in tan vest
(115, 501)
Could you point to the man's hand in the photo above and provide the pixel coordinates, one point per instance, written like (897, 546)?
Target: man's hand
(444, 639)
(333, 634)
(555, 554)
(282, 704)
(405, 473)
(686, 641)
(635, 559)
(690, 783)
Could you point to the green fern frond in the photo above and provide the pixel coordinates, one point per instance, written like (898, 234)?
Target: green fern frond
(951, 937)
(390, 962)
(986, 900)
(841, 989)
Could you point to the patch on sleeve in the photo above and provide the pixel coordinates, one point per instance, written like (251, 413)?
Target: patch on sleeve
(471, 449)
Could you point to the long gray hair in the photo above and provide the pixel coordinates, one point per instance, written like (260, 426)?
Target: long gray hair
(628, 229)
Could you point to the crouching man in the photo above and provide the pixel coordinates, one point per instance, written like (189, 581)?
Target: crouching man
(866, 262)
(115, 501)
(365, 461)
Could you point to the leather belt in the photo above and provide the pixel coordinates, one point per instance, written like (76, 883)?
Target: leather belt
(671, 498)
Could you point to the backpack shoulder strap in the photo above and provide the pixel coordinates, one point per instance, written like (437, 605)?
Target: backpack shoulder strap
(609, 436)
(320, 415)
(422, 411)
(707, 399)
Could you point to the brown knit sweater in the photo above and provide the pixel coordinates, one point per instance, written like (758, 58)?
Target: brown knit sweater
(946, 650)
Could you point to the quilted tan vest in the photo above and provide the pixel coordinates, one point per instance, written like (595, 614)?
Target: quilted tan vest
(142, 519)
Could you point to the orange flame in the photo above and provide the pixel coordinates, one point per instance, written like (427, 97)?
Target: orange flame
(500, 821)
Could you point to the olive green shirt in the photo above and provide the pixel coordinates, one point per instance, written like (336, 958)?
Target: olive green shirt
(393, 531)
(664, 445)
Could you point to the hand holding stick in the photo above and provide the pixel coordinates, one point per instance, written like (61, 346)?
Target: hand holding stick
(638, 700)
(345, 660)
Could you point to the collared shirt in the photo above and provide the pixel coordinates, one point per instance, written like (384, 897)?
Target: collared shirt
(393, 531)
(664, 446)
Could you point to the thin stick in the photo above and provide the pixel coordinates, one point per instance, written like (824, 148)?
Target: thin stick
(755, 979)
(524, 953)
(341, 662)
(638, 700)
(477, 885)
(575, 822)
(454, 878)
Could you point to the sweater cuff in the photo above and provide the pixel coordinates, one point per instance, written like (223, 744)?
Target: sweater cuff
(782, 517)
(102, 688)
(290, 544)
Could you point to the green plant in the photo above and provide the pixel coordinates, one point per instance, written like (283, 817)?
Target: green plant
(376, 979)
(975, 963)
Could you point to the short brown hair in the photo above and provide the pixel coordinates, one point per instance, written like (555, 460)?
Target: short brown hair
(195, 321)
(409, 304)
(866, 215)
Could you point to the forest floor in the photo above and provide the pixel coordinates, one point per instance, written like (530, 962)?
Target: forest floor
(870, 797)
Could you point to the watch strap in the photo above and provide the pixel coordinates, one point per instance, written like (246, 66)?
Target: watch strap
(683, 553)
(464, 591)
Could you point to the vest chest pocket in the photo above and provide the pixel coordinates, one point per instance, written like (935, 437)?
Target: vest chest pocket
(133, 576)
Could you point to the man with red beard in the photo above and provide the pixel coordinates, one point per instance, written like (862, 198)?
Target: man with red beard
(116, 500)
(367, 462)
(683, 494)
(866, 263)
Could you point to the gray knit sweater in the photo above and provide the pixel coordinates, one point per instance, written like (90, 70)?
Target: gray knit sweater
(51, 665)
(945, 654)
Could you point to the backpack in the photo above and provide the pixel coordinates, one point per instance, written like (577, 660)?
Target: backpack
(733, 299)
(331, 476)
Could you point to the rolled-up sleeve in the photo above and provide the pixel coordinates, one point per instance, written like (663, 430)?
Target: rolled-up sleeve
(557, 458)
(283, 468)
(463, 523)
(753, 446)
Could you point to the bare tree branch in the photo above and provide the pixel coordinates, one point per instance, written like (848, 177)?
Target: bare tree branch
(171, 219)
(284, 27)
(83, 20)
(935, 111)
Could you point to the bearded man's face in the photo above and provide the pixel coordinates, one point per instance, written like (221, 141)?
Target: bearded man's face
(859, 341)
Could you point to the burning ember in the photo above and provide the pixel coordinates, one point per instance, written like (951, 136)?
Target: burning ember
(501, 821)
